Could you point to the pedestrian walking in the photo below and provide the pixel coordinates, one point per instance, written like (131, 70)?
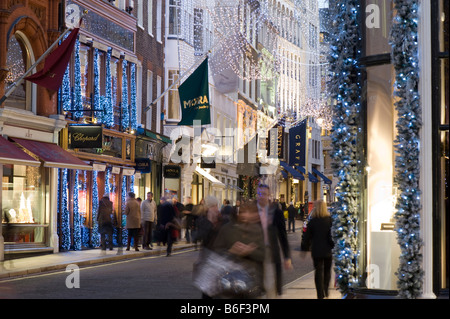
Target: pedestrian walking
(198, 211)
(105, 224)
(188, 219)
(275, 239)
(133, 223)
(235, 211)
(318, 234)
(292, 212)
(244, 241)
(208, 224)
(165, 220)
(226, 211)
(148, 215)
(178, 207)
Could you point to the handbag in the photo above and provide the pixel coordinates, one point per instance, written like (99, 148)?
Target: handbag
(222, 275)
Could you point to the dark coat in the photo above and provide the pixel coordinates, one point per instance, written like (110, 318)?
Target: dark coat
(230, 233)
(292, 212)
(105, 209)
(277, 234)
(318, 233)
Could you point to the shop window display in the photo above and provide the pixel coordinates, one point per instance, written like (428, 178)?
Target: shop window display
(383, 250)
(24, 215)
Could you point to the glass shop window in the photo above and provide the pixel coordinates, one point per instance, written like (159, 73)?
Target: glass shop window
(23, 203)
(383, 250)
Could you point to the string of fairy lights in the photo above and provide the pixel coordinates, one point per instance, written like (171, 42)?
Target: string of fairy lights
(290, 53)
(404, 53)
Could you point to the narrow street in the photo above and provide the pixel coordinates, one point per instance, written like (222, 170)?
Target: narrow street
(153, 277)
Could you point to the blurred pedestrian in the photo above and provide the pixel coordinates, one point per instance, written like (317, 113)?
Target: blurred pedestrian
(275, 237)
(198, 211)
(226, 211)
(178, 207)
(105, 223)
(235, 211)
(244, 239)
(148, 215)
(133, 224)
(208, 226)
(188, 219)
(301, 211)
(165, 219)
(158, 235)
(292, 212)
(318, 234)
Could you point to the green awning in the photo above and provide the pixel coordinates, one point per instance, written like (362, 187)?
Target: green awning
(154, 136)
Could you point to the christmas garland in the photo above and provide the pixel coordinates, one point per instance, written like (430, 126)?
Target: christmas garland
(133, 115)
(95, 239)
(78, 100)
(403, 39)
(63, 207)
(125, 108)
(345, 88)
(76, 214)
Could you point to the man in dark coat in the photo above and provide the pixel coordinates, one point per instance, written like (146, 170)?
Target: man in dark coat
(275, 237)
(105, 225)
(292, 212)
(166, 217)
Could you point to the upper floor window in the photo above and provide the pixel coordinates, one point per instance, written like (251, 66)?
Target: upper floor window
(18, 61)
(174, 17)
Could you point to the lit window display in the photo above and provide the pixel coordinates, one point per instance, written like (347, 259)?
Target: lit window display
(383, 250)
(24, 214)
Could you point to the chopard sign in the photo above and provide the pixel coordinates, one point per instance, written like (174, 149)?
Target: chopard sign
(85, 136)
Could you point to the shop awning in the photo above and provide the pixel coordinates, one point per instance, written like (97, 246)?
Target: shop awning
(284, 174)
(154, 136)
(292, 171)
(11, 154)
(326, 180)
(52, 155)
(311, 177)
(214, 181)
(229, 186)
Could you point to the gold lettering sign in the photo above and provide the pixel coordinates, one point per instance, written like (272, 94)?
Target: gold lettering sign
(201, 102)
(81, 137)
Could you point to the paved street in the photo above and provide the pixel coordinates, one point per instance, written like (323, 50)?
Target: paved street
(151, 277)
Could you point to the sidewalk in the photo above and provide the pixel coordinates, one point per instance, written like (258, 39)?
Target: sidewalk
(302, 288)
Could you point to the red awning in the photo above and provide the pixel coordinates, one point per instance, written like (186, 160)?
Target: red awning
(11, 154)
(52, 155)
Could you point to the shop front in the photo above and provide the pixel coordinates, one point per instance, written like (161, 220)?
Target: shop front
(29, 162)
(80, 191)
(391, 227)
(148, 177)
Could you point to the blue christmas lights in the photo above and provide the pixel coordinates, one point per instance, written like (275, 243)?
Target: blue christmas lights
(125, 107)
(97, 103)
(403, 40)
(107, 100)
(77, 98)
(76, 214)
(345, 88)
(64, 211)
(133, 106)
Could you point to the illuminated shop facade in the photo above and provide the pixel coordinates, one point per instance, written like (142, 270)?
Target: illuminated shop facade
(381, 254)
(99, 91)
(30, 155)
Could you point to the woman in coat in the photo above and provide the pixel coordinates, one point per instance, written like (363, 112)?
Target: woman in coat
(318, 234)
(133, 212)
(244, 239)
(105, 225)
